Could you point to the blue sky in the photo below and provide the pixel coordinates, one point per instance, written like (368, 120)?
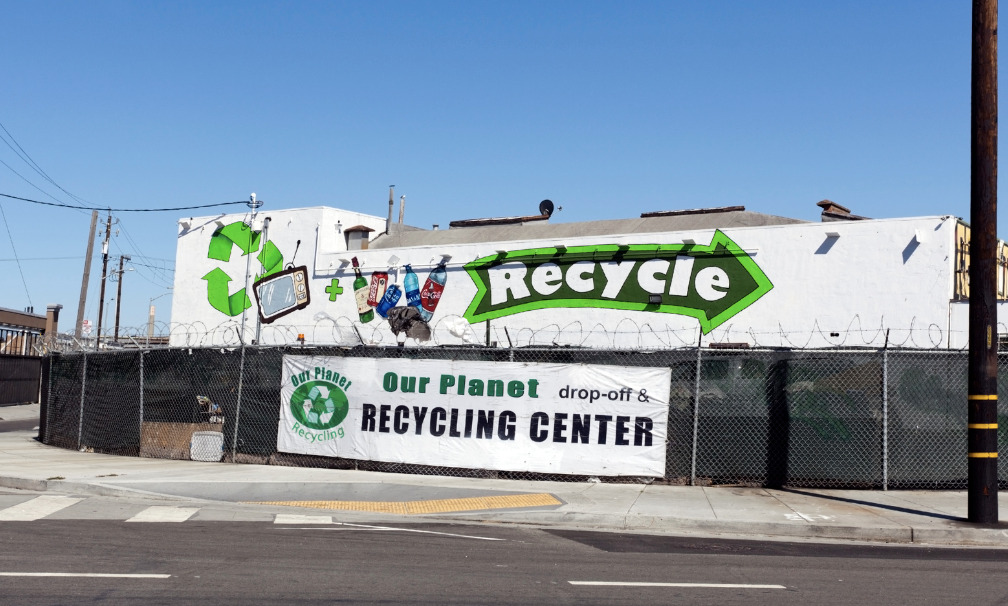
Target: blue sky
(472, 109)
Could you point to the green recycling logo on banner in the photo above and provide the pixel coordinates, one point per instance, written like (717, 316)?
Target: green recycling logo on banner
(222, 242)
(710, 283)
(319, 405)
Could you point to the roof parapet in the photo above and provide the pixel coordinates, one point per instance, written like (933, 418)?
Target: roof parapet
(497, 221)
(692, 211)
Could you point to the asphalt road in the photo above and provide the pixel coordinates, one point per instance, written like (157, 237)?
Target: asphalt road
(264, 563)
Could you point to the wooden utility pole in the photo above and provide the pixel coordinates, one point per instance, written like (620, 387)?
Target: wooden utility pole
(104, 272)
(115, 335)
(982, 489)
(78, 329)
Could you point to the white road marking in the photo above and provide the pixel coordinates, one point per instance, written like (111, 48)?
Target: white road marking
(37, 508)
(346, 525)
(700, 585)
(293, 518)
(444, 534)
(96, 575)
(164, 513)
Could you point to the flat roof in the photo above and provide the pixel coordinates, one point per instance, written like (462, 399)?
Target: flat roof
(540, 229)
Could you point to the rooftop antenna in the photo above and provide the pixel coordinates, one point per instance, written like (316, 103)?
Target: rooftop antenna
(296, 247)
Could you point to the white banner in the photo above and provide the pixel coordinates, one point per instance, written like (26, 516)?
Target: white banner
(549, 418)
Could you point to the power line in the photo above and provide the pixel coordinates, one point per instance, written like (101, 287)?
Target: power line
(120, 210)
(27, 159)
(74, 258)
(145, 265)
(28, 181)
(20, 270)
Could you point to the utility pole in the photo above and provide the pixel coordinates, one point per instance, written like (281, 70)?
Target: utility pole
(982, 433)
(104, 271)
(87, 275)
(119, 296)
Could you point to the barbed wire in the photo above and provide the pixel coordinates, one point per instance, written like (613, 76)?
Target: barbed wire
(344, 331)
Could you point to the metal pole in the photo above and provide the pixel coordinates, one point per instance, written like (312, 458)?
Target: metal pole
(241, 375)
(142, 354)
(696, 414)
(885, 413)
(982, 429)
(265, 240)
(254, 205)
(44, 413)
(80, 418)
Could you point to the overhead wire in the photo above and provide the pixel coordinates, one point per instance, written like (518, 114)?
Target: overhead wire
(146, 269)
(27, 159)
(14, 249)
(149, 269)
(28, 181)
(117, 210)
(136, 248)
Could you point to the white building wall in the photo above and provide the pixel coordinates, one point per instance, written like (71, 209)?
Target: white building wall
(833, 284)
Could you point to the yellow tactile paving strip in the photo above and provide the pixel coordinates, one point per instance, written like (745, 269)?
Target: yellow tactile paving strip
(431, 506)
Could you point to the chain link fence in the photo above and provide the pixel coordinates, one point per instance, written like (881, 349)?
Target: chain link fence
(799, 418)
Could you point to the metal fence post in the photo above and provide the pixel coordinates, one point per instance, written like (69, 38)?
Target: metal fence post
(80, 418)
(241, 376)
(696, 416)
(142, 354)
(885, 413)
(44, 413)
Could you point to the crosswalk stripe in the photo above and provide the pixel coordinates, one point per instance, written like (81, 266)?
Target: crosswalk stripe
(164, 513)
(37, 508)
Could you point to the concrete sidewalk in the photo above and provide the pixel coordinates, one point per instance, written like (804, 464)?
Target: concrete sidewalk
(925, 517)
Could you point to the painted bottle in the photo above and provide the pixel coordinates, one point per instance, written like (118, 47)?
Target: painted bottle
(389, 300)
(360, 289)
(412, 286)
(379, 280)
(432, 289)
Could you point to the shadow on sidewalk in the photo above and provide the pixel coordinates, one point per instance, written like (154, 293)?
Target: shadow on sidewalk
(930, 514)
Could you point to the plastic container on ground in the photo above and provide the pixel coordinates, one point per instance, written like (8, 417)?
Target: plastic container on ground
(206, 446)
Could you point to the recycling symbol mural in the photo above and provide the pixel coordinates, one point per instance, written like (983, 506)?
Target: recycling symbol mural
(222, 243)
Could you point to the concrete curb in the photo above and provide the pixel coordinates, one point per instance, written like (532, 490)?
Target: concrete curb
(667, 524)
(85, 488)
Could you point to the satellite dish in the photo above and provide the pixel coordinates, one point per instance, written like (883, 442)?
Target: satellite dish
(546, 207)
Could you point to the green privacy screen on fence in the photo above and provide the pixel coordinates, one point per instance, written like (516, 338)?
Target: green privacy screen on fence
(854, 418)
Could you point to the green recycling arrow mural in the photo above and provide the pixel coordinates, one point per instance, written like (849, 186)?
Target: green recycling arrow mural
(710, 283)
(247, 240)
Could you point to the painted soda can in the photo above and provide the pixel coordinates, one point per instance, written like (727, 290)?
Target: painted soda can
(379, 280)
